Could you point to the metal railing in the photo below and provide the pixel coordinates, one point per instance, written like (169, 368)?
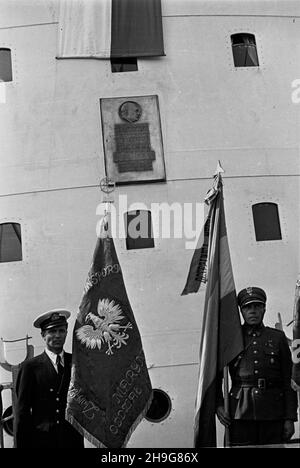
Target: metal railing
(6, 420)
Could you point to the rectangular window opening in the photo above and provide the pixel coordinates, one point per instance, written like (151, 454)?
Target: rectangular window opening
(266, 222)
(10, 242)
(123, 64)
(244, 50)
(139, 232)
(5, 65)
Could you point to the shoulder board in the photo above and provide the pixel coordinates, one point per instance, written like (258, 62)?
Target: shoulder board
(275, 329)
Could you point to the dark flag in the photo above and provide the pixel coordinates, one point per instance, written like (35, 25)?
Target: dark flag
(110, 389)
(110, 28)
(221, 337)
(296, 340)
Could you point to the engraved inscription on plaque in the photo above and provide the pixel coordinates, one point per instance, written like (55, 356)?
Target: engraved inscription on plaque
(133, 147)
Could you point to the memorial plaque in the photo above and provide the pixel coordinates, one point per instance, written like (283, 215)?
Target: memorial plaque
(132, 140)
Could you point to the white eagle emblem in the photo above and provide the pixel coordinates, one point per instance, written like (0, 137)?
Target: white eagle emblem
(104, 328)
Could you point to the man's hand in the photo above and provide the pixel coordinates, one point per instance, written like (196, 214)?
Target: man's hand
(223, 416)
(288, 429)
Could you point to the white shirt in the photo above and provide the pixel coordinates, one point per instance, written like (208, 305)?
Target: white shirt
(53, 356)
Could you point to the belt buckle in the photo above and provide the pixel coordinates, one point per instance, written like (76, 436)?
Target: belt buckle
(261, 383)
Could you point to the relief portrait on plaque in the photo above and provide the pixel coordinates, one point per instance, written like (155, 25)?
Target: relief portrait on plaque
(132, 140)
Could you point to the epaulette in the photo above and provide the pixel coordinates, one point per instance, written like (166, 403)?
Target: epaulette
(275, 329)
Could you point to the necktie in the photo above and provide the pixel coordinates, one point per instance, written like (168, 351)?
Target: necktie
(60, 367)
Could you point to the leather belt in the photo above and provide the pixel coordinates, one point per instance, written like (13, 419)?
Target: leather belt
(258, 383)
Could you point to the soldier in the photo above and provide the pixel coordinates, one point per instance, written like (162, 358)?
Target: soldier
(262, 405)
(41, 389)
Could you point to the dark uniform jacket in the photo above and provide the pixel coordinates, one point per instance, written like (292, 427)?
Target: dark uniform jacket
(41, 403)
(261, 377)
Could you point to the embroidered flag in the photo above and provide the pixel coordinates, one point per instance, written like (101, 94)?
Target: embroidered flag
(110, 389)
(221, 337)
(296, 340)
(110, 28)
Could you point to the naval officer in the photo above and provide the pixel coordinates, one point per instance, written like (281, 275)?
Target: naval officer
(42, 387)
(262, 405)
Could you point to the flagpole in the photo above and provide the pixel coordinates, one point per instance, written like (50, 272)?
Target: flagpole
(108, 349)
(226, 404)
(221, 337)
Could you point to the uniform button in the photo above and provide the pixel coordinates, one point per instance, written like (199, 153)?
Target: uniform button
(272, 352)
(272, 361)
(255, 351)
(57, 410)
(255, 362)
(57, 399)
(254, 342)
(256, 372)
(57, 422)
(254, 334)
(51, 389)
(255, 391)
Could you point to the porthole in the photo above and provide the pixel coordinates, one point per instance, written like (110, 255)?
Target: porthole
(160, 407)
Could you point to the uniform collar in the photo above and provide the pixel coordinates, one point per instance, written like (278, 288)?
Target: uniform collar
(257, 329)
(53, 356)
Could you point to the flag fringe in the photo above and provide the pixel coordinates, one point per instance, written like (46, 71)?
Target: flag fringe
(70, 418)
(137, 421)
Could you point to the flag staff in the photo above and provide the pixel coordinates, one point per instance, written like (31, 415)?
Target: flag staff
(225, 369)
(217, 176)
